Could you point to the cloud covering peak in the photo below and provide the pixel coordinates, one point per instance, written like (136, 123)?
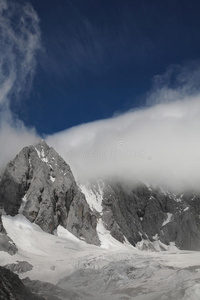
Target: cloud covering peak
(158, 144)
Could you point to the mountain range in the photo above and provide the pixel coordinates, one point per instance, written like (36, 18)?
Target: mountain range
(105, 239)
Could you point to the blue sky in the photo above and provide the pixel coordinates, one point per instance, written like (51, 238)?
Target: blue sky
(113, 86)
(99, 57)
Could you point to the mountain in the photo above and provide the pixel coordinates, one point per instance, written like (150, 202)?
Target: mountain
(67, 268)
(108, 240)
(146, 216)
(11, 287)
(39, 184)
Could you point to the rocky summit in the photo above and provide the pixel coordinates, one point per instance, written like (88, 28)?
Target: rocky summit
(63, 240)
(39, 184)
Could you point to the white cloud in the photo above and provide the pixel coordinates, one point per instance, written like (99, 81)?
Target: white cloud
(19, 43)
(176, 83)
(13, 139)
(158, 144)
(20, 40)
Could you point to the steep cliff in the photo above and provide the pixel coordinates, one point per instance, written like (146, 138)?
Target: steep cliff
(6, 244)
(39, 184)
(144, 213)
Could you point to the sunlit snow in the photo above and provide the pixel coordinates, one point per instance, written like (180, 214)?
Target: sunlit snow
(41, 155)
(169, 216)
(93, 197)
(113, 271)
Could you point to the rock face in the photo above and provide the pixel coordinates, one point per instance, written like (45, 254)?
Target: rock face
(40, 184)
(50, 291)
(6, 244)
(152, 214)
(2, 229)
(11, 287)
(19, 267)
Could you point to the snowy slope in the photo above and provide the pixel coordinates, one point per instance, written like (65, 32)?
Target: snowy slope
(113, 271)
(93, 195)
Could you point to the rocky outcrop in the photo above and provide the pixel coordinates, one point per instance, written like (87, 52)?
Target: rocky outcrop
(151, 214)
(19, 267)
(50, 291)
(40, 184)
(6, 244)
(11, 287)
(2, 229)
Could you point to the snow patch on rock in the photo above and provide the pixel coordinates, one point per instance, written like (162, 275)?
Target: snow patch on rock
(169, 217)
(94, 196)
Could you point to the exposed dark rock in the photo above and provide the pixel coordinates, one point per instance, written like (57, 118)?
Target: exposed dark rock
(124, 209)
(184, 230)
(148, 213)
(50, 291)
(20, 267)
(2, 229)
(40, 184)
(6, 244)
(12, 288)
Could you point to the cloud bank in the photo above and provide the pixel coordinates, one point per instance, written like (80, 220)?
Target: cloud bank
(157, 144)
(20, 41)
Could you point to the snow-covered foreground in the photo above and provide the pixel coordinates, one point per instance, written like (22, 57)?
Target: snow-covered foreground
(111, 272)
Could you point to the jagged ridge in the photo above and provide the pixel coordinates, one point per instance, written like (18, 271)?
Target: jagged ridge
(152, 214)
(148, 215)
(40, 184)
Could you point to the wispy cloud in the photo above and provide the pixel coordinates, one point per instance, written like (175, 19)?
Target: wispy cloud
(177, 83)
(94, 43)
(19, 43)
(157, 144)
(20, 40)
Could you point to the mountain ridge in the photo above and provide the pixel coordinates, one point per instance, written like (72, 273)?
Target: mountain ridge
(39, 184)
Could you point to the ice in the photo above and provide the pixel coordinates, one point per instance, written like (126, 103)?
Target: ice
(29, 160)
(113, 271)
(107, 241)
(169, 216)
(193, 292)
(41, 155)
(43, 250)
(94, 196)
(193, 198)
(24, 200)
(52, 178)
(178, 199)
(65, 234)
(155, 246)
